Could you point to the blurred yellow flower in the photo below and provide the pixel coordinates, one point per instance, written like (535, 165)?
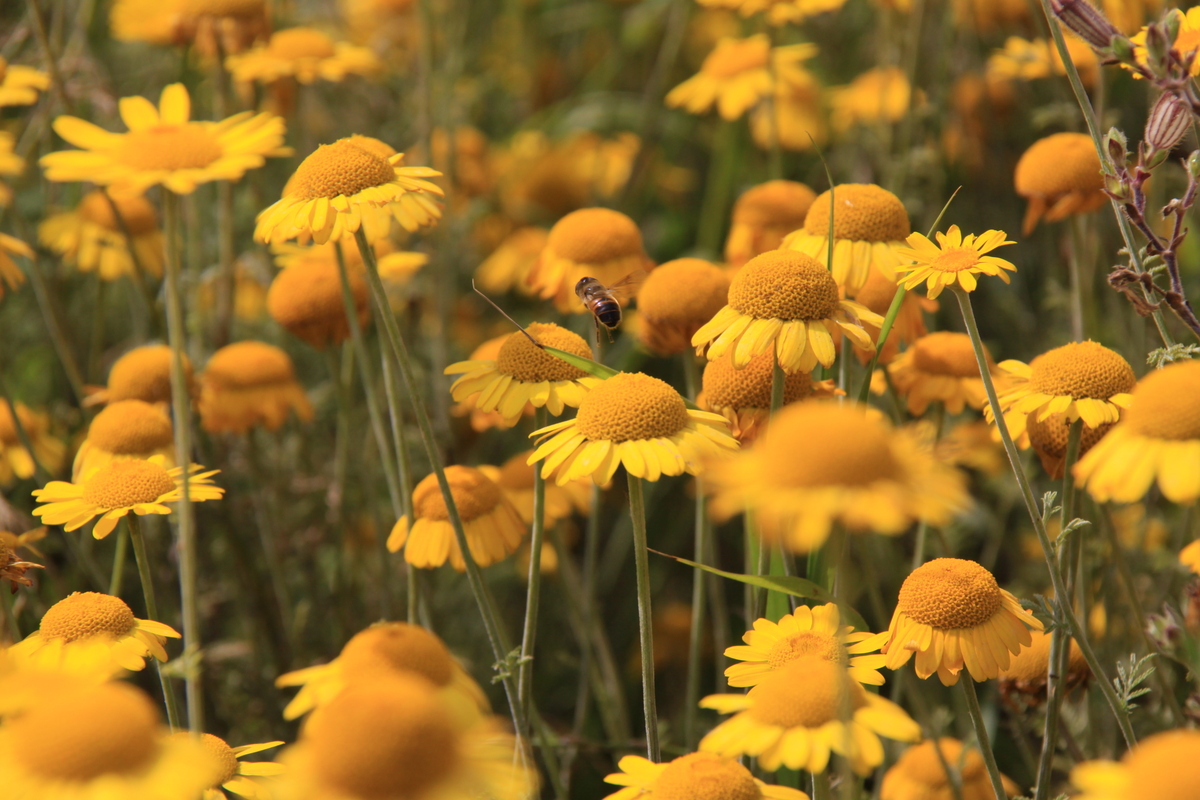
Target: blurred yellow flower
(304, 54)
(211, 26)
(762, 216)
(920, 774)
(510, 264)
(10, 164)
(10, 273)
(305, 297)
(939, 367)
(91, 238)
(698, 776)
(677, 298)
(1059, 176)
(738, 74)
(125, 430)
(1164, 765)
(954, 261)
(143, 373)
(779, 12)
(1187, 40)
(515, 477)
(880, 95)
(234, 775)
(15, 460)
(250, 383)
(743, 396)
(1023, 59)
(1026, 674)
(877, 295)
(20, 85)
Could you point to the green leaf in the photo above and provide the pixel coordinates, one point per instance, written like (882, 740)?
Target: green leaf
(579, 362)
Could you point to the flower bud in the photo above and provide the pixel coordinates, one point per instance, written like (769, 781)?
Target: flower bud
(1193, 165)
(1168, 122)
(1158, 48)
(1171, 26)
(1117, 147)
(1122, 49)
(1086, 22)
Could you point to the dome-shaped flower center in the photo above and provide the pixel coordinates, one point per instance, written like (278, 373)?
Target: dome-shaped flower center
(517, 475)
(950, 593)
(782, 284)
(921, 762)
(725, 386)
(732, 57)
(1166, 766)
(687, 291)
(395, 646)
(806, 693)
(130, 427)
(295, 44)
(525, 361)
(122, 484)
(337, 169)
(306, 298)
(877, 293)
(371, 145)
(81, 736)
(594, 236)
(225, 8)
(803, 644)
(136, 212)
(775, 203)
(144, 374)
(827, 444)
(705, 776)
(225, 764)
(387, 738)
(85, 614)
(631, 406)
(945, 353)
(863, 212)
(1081, 369)
(1165, 403)
(168, 148)
(1050, 435)
(474, 494)
(1058, 164)
(246, 364)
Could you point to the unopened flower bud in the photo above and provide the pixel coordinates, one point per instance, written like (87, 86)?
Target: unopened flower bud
(1086, 22)
(1158, 47)
(1122, 49)
(1117, 146)
(1193, 165)
(1171, 26)
(1168, 123)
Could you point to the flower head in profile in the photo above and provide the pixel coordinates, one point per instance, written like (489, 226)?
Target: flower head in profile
(1026, 674)
(510, 263)
(633, 420)
(15, 460)
(1028, 60)
(953, 615)
(93, 633)
(116, 489)
(250, 383)
(800, 714)
(90, 236)
(304, 54)
(743, 396)
(164, 146)
(788, 302)
(1059, 176)
(126, 430)
(1165, 765)
(939, 367)
(252, 780)
(676, 300)
(143, 373)
(697, 776)
(305, 297)
(10, 274)
(20, 85)
(738, 74)
(211, 27)
(762, 216)
(954, 261)
(920, 774)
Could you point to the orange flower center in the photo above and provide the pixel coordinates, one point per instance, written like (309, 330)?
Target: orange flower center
(806, 643)
(807, 693)
(341, 168)
(123, 484)
(955, 259)
(1164, 403)
(750, 386)
(629, 407)
(130, 427)
(1081, 369)
(144, 373)
(863, 212)
(842, 446)
(527, 362)
(705, 776)
(224, 761)
(782, 284)
(85, 614)
(393, 646)
(168, 148)
(734, 56)
(946, 353)
(299, 43)
(950, 593)
(594, 236)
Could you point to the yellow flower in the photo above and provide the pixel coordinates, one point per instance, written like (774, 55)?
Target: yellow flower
(815, 632)
(90, 237)
(920, 774)
(483, 420)
(98, 743)
(341, 186)
(952, 614)
(1059, 176)
(1165, 766)
(798, 109)
(1029, 60)
(250, 383)
(397, 736)
(909, 325)
(880, 95)
(492, 524)
(821, 463)
(125, 430)
(10, 164)
(1129, 15)
(938, 367)
(515, 478)
(743, 396)
(635, 420)
(143, 373)
(112, 491)
(801, 713)
(676, 300)
(93, 633)
(1026, 673)
(19, 85)
(510, 263)
(1189, 556)
(789, 302)
(591, 242)
(10, 273)
(1159, 437)
(779, 12)
(306, 300)
(869, 225)
(232, 774)
(538, 178)
(164, 147)
(524, 373)
(954, 260)
(762, 216)
(969, 444)
(1187, 40)
(738, 74)
(210, 26)
(696, 776)
(305, 54)
(384, 649)
(15, 460)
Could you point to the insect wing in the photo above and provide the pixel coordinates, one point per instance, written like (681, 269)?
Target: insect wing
(627, 288)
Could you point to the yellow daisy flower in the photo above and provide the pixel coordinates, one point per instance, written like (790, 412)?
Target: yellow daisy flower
(1049, 439)
(163, 146)
(483, 420)
(510, 264)
(10, 273)
(306, 296)
(800, 714)
(821, 463)
(397, 736)
(779, 12)
(90, 238)
(250, 383)
(125, 430)
(635, 420)
(386, 648)
(524, 373)
(211, 27)
(743, 396)
(1165, 765)
(954, 260)
(89, 632)
(1129, 15)
(1028, 60)
(940, 367)
(1187, 40)
(117, 747)
(676, 300)
(305, 54)
(920, 774)
(738, 74)
(515, 478)
(1059, 176)
(339, 187)
(908, 326)
(1159, 438)
(796, 117)
(806, 632)
(880, 95)
(869, 225)
(762, 216)
(697, 776)
(143, 373)
(952, 614)
(1025, 676)
(20, 85)
(234, 775)
(112, 491)
(10, 164)
(789, 302)
(1189, 556)
(17, 462)
(492, 524)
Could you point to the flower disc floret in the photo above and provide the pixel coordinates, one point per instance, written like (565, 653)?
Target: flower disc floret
(1165, 766)
(784, 285)
(130, 427)
(224, 761)
(1082, 369)
(128, 483)
(474, 493)
(341, 168)
(807, 693)
(862, 212)
(82, 615)
(950, 593)
(806, 644)
(595, 235)
(631, 406)
(1165, 404)
(394, 646)
(946, 353)
(706, 776)
(527, 362)
(726, 386)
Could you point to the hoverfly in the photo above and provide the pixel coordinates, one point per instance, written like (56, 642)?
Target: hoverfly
(604, 302)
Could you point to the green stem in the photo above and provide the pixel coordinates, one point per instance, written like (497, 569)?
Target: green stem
(118, 568)
(533, 593)
(641, 560)
(985, 747)
(403, 478)
(58, 337)
(96, 345)
(701, 533)
(821, 790)
(1062, 596)
(1076, 269)
(226, 288)
(721, 175)
(143, 564)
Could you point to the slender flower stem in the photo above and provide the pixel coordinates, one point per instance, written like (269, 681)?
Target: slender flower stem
(118, 568)
(532, 595)
(701, 533)
(821, 790)
(403, 478)
(58, 336)
(12, 630)
(143, 565)
(181, 410)
(637, 512)
(985, 746)
(1062, 596)
(778, 603)
(721, 174)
